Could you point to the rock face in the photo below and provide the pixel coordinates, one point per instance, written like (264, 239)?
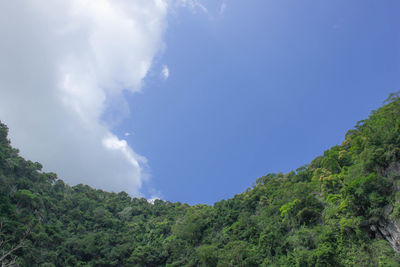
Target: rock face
(388, 227)
(389, 230)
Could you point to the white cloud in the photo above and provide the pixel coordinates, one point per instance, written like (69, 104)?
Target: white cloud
(152, 199)
(165, 71)
(62, 64)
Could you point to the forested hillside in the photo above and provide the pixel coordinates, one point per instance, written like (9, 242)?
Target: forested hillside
(340, 210)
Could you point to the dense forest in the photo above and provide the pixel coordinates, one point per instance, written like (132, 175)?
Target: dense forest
(342, 209)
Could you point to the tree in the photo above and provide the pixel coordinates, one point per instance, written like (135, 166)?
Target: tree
(7, 249)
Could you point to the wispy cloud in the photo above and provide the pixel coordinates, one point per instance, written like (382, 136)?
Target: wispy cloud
(222, 7)
(165, 72)
(194, 5)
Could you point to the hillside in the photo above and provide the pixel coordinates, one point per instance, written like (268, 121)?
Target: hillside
(342, 209)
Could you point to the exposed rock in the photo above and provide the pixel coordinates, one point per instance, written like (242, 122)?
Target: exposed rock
(391, 232)
(393, 170)
(388, 227)
(387, 210)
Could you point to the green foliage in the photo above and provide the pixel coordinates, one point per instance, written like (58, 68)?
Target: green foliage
(207, 255)
(322, 214)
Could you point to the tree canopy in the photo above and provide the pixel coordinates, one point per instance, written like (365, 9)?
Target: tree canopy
(335, 211)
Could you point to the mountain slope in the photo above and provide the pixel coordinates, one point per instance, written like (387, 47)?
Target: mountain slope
(342, 209)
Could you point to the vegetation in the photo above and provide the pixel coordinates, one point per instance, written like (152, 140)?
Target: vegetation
(328, 213)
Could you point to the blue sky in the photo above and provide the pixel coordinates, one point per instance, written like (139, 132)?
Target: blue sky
(264, 87)
(190, 100)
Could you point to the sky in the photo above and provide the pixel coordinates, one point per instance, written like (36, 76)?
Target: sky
(187, 100)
